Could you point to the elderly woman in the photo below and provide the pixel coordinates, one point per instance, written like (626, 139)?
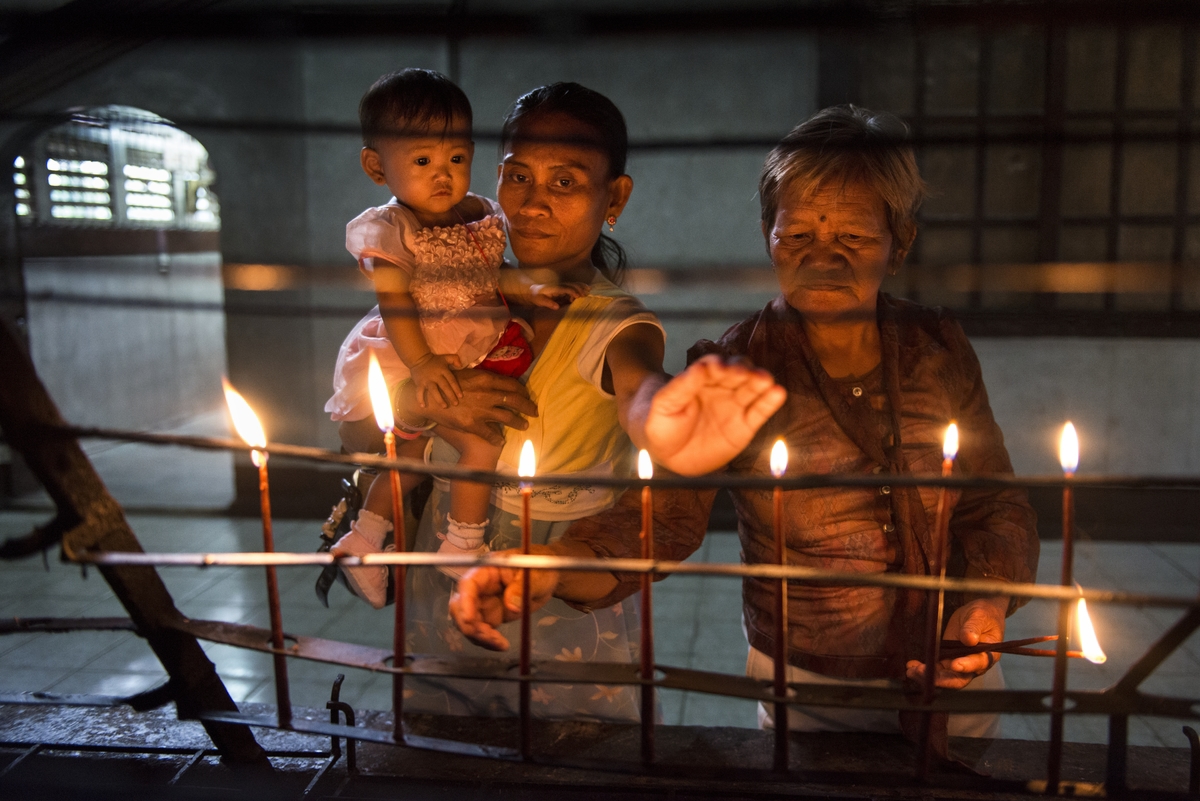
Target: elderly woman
(872, 382)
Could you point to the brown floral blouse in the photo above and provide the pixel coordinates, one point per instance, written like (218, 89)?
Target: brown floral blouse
(929, 376)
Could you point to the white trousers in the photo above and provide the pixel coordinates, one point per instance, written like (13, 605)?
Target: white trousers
(827, 718)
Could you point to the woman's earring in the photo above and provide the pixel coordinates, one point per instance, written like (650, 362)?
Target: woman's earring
(612, 220)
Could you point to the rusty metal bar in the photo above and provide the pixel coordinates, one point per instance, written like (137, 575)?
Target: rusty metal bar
(792, 482)
(1194, 769)
(1118, 752)
(89, 519)
(547, 562)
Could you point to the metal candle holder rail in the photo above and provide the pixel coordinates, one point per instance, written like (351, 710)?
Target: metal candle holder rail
(1118, 702)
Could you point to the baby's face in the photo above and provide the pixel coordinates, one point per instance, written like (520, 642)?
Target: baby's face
(429, 174)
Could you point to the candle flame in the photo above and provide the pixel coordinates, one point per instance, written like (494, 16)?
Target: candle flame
(381, 401)
(1090, 646)
(950, 443)
(245, 422)
(1068, 450)
(779, 458)
(645, 466)
(528, 462)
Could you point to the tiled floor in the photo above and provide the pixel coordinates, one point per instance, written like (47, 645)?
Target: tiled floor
(697, 625)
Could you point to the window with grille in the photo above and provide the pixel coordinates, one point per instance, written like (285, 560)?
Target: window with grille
(116, 167)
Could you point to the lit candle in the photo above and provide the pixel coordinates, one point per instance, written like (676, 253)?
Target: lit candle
(381, 404)
(941, 535)
(1088, 642)
(526, 467)
(245, 421)
(936, 603)
(1068, 457)
(779, 461)
(646, 472)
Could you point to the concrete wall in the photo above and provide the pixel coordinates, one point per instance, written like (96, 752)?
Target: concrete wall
(287, 193)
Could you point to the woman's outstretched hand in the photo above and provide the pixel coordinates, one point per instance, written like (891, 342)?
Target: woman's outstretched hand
(488, 596)
(709, 413)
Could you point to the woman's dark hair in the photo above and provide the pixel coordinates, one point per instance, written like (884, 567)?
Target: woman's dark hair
(412, 101)
(610, 137)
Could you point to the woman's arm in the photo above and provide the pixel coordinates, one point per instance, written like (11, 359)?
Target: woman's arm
(692, 424)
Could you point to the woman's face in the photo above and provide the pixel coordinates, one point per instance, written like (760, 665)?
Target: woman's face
(556, 194)
(831, 249)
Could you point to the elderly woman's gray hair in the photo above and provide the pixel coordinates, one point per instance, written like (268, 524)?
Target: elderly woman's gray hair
(850, 145)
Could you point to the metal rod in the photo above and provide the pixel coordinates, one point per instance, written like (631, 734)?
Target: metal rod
(399, 573)
(1194, 771)
(1118, 749)
(792, 482)
(526, 634)
(547, 562)
(282, 697)
(1059, 689)
(647, 633)
(781, 639)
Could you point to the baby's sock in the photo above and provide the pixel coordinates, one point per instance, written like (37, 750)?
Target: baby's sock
(372, 528)
(464, 536)
(461, 538)
(366, 536)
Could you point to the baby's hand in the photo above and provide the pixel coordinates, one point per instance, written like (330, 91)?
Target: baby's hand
(434, 378)
(552, 296)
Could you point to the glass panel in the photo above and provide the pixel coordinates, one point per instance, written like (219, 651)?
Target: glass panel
(1087, 170)
(1154, 65)
(1144, 243)
(1010, 245)
(1148, 178)
(887, 64)
(1018, 72)
(950, 173)
(1091, 69)
(951, 70)
(940, 246)
(1012, 181)
(1083, 243)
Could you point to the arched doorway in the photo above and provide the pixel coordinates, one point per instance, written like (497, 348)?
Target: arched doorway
(118, 245)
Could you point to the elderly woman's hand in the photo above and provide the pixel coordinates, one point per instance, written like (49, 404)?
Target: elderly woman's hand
(488, 402)
(709, 413)
(981, 620)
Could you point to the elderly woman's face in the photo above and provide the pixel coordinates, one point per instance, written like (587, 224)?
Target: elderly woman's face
(831, 249)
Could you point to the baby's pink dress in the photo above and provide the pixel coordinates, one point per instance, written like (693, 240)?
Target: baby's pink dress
(453, 284)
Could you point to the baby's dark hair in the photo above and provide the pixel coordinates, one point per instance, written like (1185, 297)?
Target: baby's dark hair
(610, 137)
(412, 101)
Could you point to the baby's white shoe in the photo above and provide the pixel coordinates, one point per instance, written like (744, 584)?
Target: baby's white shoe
(461, 539)
(366, 534)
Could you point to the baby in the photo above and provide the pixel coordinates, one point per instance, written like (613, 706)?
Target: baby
(434, 254)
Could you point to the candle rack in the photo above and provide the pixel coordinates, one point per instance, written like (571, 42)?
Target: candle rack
(1117, 702)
